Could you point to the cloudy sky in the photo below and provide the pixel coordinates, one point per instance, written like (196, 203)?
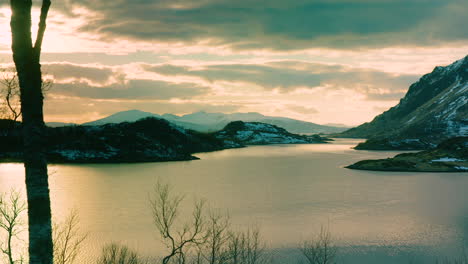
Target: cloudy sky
(324, 61)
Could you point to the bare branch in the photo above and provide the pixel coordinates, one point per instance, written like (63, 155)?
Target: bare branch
(246, 247)
(10, 94)
(67, 239)
(319, 250)
(42, 27)
(214, 251)
(165, 212)
(118, 254)
(11, 211)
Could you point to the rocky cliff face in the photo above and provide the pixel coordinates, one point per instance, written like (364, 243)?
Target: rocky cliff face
(434, 109)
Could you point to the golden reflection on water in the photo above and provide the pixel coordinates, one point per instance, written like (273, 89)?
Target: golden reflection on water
(289, 190)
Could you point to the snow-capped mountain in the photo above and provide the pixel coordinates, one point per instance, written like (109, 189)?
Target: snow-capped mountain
(211, 122)
(434, 109)
(124, 116)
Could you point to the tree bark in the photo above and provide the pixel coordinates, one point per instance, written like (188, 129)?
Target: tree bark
(27, 62)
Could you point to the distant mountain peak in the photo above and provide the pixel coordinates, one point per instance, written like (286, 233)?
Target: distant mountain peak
(132, 111)
(123, 116)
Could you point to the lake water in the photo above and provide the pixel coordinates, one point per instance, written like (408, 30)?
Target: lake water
(290, 191)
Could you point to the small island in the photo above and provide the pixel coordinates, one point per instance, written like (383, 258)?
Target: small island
(449, 156)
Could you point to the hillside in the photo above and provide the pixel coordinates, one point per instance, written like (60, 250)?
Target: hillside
(434, 109)
(254, 133)
(145, 140)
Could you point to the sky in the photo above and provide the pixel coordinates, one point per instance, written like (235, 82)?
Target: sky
(323, 61)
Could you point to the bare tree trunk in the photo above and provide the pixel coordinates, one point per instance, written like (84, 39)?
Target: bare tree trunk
(27, 62)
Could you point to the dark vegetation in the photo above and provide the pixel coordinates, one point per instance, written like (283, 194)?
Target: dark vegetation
(449, 156)
(146, 140)
(392, 144)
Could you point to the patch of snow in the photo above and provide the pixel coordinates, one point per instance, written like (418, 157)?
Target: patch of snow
(261, 127)
(449, 114)
(446, 159)
(76, 154)
(463, 130)
(453, 88)
(244, 134)
(408, 140)
(455, 129)
(462, 168)
(455, 65)
(411, 120)
(463, 88)
(231, 144)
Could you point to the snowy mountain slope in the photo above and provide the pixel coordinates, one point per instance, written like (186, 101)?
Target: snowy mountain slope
(255, 133)
(434, 109)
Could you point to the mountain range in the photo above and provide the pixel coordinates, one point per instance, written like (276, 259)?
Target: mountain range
(211, 122)
(434, 109)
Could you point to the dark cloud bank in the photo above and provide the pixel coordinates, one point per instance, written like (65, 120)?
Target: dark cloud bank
(279, 24)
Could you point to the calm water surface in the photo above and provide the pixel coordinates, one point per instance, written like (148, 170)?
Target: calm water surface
(290, 191)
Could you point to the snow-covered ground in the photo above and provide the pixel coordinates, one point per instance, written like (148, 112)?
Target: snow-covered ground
(446, 159)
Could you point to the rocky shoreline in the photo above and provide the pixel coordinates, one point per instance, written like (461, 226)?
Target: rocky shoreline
(449, 156)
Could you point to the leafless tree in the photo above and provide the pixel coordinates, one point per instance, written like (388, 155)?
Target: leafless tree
(118, 254)
(246, 247)
(68, 239)
(463, 259)
(319, 250)
(165, 208)
(214, 250)
(12, 208)
(10, 94)
(67, 236)
(26, 56)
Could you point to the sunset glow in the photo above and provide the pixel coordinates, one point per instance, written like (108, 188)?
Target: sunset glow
(227, 70)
